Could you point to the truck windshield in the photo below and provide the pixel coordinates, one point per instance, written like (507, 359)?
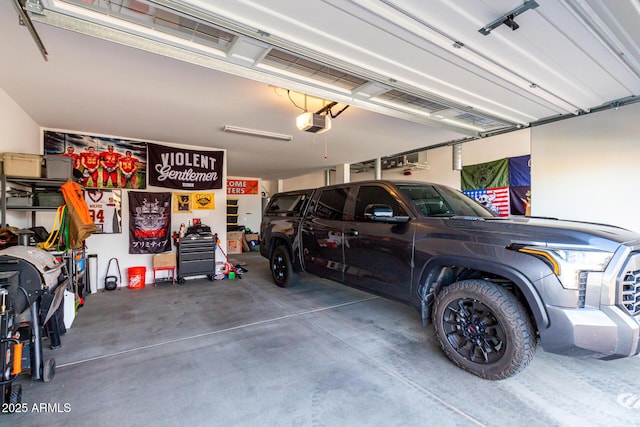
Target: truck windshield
(443, 202)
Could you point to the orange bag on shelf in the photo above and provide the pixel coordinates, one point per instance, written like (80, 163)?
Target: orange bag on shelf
(81, 225)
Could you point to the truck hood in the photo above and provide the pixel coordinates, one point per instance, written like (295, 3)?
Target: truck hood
(547, 231)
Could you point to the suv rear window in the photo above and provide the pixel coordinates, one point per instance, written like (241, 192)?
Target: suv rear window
(331, 203)
(287, 203)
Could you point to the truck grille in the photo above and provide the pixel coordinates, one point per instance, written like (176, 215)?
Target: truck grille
(630, 289)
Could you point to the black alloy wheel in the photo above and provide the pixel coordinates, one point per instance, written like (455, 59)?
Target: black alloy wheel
(474, 331)
(484, 329)
(281, 267)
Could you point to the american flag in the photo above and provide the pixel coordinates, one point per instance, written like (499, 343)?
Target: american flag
(494, 199)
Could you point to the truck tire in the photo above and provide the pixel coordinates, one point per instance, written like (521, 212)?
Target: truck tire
(484, 329)
(281, 267)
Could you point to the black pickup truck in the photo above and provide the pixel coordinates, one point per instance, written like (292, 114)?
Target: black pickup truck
(492, 286)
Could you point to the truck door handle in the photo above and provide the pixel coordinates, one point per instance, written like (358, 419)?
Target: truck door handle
(353, 232)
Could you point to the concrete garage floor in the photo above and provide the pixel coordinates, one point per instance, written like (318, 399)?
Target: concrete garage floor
(247, 353)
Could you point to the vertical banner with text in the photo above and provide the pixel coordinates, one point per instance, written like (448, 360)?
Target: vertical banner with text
(149, 222)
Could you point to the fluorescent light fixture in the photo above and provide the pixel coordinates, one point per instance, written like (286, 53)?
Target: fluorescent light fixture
(257, 132)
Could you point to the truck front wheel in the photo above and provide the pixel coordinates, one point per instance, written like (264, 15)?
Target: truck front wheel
(484, 329)
(281, 268)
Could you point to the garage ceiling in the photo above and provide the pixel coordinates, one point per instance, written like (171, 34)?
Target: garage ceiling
(413, 74)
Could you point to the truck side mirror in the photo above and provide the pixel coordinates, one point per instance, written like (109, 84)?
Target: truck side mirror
(382, 213)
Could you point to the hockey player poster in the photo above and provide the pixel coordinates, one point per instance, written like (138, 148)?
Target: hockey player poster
(149, 222)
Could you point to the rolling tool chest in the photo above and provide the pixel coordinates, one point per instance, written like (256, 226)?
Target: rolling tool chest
(196, 253)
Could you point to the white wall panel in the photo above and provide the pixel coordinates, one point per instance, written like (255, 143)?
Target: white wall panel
(19, 133)
(439, 161)
(586, 168)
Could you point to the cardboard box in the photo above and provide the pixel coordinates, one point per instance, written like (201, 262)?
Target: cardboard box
(235, 235)
(234, 246)
(60, 167)
(251, 237)
(234, 242)
(25, 165)
(164, 260)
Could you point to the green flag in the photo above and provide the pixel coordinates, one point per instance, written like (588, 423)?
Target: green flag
(486, 175)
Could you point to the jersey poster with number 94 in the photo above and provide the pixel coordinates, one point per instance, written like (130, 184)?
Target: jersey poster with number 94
(104, 208)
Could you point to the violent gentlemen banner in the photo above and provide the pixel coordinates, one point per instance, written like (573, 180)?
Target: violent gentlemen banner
(181, 169)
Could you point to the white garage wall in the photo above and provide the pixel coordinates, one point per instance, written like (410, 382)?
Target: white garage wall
(586, 168)
(19, 133)
(438, 162)
(312, 180)
(435, 166)
(510, 144)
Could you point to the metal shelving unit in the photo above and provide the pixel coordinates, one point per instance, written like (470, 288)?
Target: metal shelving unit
(33, 185)
(75, 266)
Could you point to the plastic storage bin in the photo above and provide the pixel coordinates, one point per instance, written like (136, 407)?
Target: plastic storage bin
(59, 167)
(14, 202)
(50, 199)
(25, 165)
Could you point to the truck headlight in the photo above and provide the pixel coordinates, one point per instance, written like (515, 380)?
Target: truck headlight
(567, 264)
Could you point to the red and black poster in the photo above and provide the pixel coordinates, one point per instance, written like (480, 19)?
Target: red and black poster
(181, 169)
(149, 222)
